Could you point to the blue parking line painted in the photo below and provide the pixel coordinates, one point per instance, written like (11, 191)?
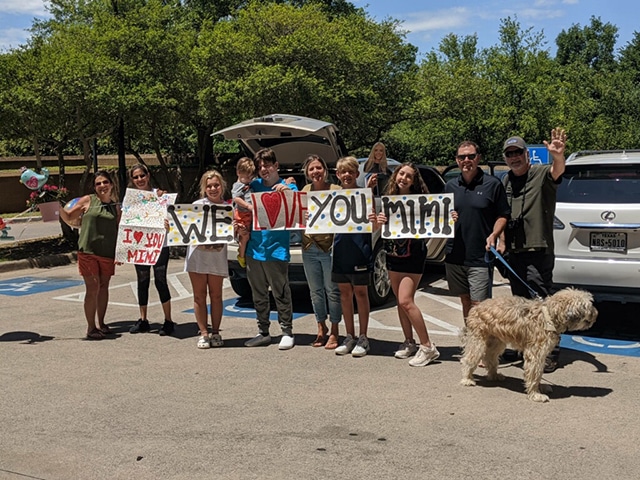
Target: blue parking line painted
(18, 287)
(601, 345)
(230, 308)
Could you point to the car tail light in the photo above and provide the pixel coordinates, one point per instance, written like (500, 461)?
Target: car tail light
(557, 224)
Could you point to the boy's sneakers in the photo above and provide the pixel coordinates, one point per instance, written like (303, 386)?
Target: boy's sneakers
(204, 342)
(258, 341)
(167, 328)
(407, 349)
(140, 326)
(286, 342)
(424, 356)
(242, 261)
(361, 348)
(347, 346)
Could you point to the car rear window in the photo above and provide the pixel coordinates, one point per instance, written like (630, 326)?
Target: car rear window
(600, 184)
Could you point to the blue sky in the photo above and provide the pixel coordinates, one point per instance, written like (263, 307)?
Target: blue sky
(427, 20)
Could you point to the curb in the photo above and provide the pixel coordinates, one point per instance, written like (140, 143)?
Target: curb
(39, 262)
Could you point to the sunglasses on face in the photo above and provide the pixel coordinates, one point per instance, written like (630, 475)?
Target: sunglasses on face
(513, 153)
(138, 177)
(470, 156)
(105, 182)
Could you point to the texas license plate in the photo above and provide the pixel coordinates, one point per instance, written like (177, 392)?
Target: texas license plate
(608, 242)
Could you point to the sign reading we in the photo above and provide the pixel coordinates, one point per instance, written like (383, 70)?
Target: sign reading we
(285, 210)
(200, 224)
(340, 211)
(417, 216)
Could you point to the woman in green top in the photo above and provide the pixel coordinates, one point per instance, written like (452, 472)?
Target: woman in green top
(97, 248)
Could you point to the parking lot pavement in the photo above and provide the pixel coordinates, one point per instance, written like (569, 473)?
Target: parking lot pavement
(148, 407)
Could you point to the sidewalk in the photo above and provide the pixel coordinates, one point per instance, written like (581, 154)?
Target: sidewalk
(28, 228)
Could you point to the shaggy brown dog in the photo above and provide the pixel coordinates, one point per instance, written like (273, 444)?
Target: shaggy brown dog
(531, 326)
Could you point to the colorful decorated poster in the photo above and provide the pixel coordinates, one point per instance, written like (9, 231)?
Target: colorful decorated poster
(145, 208)
(199, 224)
(340, 211)
(285, 210)
(142, 230)
(418, 216)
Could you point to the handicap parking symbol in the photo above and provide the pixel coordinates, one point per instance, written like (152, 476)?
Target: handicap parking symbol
(601, 345)
(232, 308)
(18, 287)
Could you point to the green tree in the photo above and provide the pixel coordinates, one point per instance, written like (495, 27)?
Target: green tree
(592, 45)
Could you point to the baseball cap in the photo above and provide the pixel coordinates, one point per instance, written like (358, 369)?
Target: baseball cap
(514, 142)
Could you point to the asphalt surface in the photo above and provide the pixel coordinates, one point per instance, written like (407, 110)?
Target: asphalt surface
(148, 407)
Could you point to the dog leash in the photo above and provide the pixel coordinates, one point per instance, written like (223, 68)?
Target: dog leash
(533, 293)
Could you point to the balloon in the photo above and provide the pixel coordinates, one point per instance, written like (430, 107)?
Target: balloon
(33, 180)
(75, 220)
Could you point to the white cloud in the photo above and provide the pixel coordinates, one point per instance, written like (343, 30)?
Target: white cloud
(32, 7)
(440, 20)
(13, 38)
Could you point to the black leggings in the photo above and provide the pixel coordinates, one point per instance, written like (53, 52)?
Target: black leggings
(143, 273)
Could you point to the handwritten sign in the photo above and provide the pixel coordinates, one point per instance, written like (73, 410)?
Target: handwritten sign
(285, 210)
(417, 216)
(340, 211)
(199, 224)
(142, 231)
(144, 208)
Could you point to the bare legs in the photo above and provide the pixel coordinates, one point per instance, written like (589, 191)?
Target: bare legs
(96, 299)
(404, 287)
(201, 284)
(347, 292)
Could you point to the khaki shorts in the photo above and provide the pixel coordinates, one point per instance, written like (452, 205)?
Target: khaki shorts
(473, 281)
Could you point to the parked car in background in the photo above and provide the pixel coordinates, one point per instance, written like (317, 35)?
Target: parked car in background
(497, 169)
(597, 225)
(293, 138)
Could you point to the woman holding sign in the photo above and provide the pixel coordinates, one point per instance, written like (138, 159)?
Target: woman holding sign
(207, 268)
(140, 179)
(405, 263)
(96, 248)
(316, 259)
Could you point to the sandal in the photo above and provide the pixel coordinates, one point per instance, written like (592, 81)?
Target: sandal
(105, 330)
(332, 343)
(95, 335)
(319, 341)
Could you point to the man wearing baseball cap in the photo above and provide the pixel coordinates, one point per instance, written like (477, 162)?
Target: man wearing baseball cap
(531, 192)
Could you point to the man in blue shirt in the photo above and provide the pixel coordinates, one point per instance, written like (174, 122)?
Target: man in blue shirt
(268, 261)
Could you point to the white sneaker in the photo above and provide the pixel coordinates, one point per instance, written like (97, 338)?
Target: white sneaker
(216, 340)
(203, 342)
(347, 346)
(286, 342)
(424, 356)
(258, 341)
(407, 349)
(361, 348)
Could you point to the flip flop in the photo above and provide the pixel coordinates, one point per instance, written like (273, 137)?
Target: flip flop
(332, 343)
(319, 341)
(95, 335)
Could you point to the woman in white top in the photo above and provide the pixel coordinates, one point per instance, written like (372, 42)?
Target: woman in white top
(207, 268)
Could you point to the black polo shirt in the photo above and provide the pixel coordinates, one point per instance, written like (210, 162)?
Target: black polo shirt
(479, 204)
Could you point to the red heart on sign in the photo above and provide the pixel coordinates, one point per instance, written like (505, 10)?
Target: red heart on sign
(138, 236)
(272, 204)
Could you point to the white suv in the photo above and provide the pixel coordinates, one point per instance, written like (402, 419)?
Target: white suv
(597, 225)
(293, 138)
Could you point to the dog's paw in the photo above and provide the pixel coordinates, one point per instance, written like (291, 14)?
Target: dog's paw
(538, 397)
(495, 377)
(467, 382)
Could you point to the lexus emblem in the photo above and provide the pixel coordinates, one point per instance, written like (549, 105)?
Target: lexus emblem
(608, 216)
